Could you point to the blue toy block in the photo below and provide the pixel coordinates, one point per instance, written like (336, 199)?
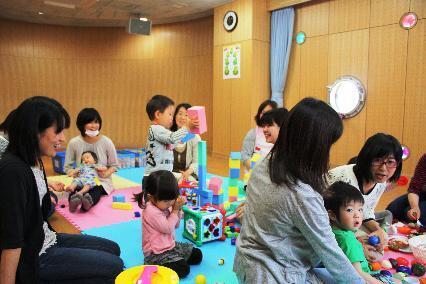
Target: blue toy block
(202, 177)
(233, 241)
(202, 153)
(118, 198)
(236, 155)
(137, 214)
(188, 137)
(217, 199)
(234, 173)
(205, 196)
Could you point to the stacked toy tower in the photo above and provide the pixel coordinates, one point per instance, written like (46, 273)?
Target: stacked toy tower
(234, 175)
(205, 195)
(253, 161)
(215, 186)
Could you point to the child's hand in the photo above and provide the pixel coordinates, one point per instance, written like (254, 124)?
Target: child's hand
(179, 203)
(240, 211)
(192, 123)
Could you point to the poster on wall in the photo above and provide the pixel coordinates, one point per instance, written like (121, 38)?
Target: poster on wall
(231, 62)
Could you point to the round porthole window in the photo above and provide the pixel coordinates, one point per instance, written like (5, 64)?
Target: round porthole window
(346, 96)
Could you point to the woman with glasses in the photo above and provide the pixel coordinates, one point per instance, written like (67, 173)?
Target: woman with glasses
(412, 206)
(378, 162)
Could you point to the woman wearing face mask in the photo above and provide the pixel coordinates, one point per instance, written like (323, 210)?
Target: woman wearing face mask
(89, 122)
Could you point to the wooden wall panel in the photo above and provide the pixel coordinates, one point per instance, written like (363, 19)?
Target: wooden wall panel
(222, 91)
(244, 29)
(313, 68)
(221, 36)
(261, 75)
(262, 21)
(419, 7)
(348, 55)
(16, 39)
(110, 70)
(313, 19)
(386, 80)
(348, 15)
(385, 12)
(415, 98)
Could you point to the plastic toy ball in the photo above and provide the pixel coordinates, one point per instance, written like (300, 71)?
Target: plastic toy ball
(373, 240)
(200, 279)
(402, 261)
(375, 266)
(221, 261)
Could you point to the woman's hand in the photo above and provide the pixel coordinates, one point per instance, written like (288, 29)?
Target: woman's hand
(56, 185)
(106, 172)
(414, 213)
(186, 174)
(73, 173)
(240, 211)
(192, 124)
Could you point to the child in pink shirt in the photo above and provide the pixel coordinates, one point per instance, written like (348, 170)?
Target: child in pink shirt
(161, 216)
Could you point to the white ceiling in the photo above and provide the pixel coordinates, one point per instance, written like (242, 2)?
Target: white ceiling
(105, 12)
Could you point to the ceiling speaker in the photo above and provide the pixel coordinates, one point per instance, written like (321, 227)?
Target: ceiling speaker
(136, 26)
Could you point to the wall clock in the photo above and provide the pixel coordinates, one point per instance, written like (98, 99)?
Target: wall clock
(230, 21)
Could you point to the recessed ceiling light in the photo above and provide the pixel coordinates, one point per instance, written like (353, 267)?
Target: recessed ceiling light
(143, 19)
(40, 13)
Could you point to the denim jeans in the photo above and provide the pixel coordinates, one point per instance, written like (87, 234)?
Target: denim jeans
(80, 259)
(400, 206)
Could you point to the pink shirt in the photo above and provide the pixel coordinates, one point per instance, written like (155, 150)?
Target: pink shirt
(158, 229)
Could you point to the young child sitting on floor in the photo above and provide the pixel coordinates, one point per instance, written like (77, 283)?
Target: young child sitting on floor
(160, 217)
(84, 181)
(344, 204)
(160, 141)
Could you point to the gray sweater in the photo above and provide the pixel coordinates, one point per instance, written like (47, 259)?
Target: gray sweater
(285, 234)
(105, 150)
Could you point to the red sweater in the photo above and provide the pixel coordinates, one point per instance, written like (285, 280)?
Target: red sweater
(418, 182)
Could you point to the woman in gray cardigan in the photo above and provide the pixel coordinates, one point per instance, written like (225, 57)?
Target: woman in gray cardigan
(286, 231)
(185, 164)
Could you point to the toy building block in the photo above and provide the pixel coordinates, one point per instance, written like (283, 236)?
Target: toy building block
(236, 155)
(217, 199)
(233, 241)
(234, 173)
(204, 196)
(137, 214)
(254, 159)
(198, 112)
(118, 198)
(215, 184)
(188, 137)
(122, 205)
(233, 191)
(233, 182)
(202, 177)
(202, 153)
(202, 224)
(234, 164)
(232, 198)
(147, 272)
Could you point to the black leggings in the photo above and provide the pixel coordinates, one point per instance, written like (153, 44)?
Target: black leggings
(96, 192)
(181, 267)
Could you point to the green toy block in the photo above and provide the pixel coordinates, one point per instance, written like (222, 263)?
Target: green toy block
(202, 153)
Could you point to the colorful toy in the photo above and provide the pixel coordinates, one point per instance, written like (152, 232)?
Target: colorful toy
(403, 269)
(163, 275)
(200, 279)
(418, 269)
(122, 205)
(118, 198)
(233, 241)
(137, 214)
(202, 224)
(386, 264)
(221, 261)
(373, 240)
(375, 266)
(146, 274)
(198, 112)
(402, 261)
(234, 175)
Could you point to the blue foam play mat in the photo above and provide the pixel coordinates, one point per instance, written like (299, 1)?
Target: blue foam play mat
(128, 235)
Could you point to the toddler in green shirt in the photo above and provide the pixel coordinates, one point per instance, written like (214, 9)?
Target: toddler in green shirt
(344, 204)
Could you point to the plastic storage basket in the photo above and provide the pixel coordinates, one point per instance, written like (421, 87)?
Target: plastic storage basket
(418, 246)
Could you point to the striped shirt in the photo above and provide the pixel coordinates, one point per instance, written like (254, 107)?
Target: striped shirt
(418, 182)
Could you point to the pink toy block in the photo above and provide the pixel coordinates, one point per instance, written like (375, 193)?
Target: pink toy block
(146, 275)
(232, 198)
(215, 185)
(198, 112)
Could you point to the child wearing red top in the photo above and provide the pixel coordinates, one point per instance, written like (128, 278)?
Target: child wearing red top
(161, 216)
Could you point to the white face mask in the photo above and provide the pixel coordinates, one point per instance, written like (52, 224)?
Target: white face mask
(92, 133)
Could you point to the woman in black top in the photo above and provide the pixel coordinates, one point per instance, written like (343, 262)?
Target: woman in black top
(30, 251)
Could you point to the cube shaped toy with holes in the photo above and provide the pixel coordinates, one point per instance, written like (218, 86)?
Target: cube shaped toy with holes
(202, 224)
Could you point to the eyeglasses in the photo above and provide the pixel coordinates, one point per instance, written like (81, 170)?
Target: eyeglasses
(390, 163)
